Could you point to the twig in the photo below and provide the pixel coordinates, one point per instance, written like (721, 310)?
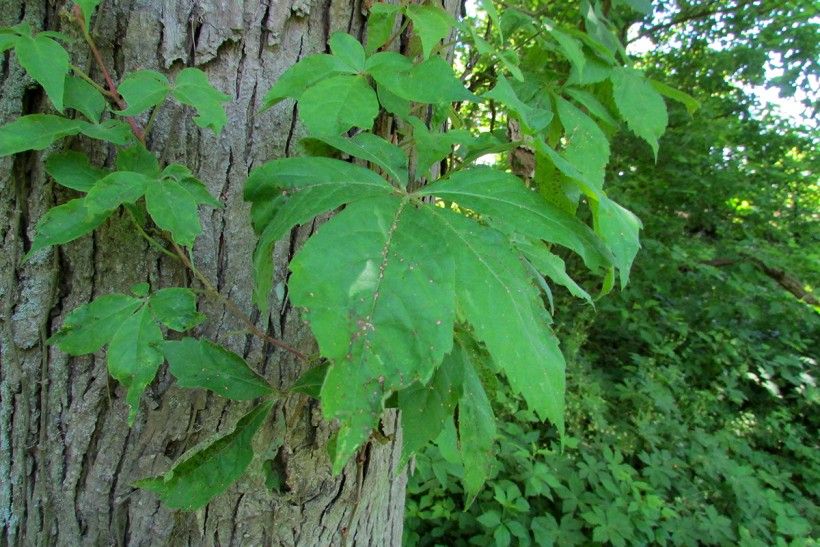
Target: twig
(112, 87)
(232, 307)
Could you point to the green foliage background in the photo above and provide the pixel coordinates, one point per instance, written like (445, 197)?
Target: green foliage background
(692, 401)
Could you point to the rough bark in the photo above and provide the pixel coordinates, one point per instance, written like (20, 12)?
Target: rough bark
(67, 456)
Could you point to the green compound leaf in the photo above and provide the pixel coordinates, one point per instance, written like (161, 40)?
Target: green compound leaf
(203, 364)
(348, 50)
(504, 199)
(495, 295)
(89, 327)
(426, 408)
(64, 223)
(571, 47)
(476, 431)
(175, 307)
(619, 229)
(640, 104)
(432, 146)
(84, 98)
(192, 87)
(533, 118)
(303, 75)
(310, 382)
(374, 149)
(587, 146)
(292, 191)
(432, 81)
(113, 190)
(134, 356)
(363, 296)
(46, 62)
(551, 266)
(143, 89)
(381, 22)
(173, 208)
(591, 103)
(431, 23)
(73, 170)
(338, 103)
(206, 472)
(35, 132)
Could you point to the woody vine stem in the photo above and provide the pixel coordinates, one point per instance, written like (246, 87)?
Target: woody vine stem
(141, 134)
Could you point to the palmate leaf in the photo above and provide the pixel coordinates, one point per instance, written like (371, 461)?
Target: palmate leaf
(380, 305)
(292, 191)
(425, 408)
(381, 281)
(431, 23)
(504, 199)
(476, 430)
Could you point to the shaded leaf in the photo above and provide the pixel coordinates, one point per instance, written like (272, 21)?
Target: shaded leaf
(425, 408)
(374, 149)
(46, 62)
(73, 170)
(175, 307)
(114, 131)
(619, 229)
(138, 159)
(310, 382)
(476, 432)
(533, 118)
(301, 76)
(504, 199)
(431, 24)
(84, 98)
(88, 7)
(431, 81)
(203, 364)
(206, 472)
(381, 21)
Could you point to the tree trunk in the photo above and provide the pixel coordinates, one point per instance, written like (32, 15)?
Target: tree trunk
(67, 455)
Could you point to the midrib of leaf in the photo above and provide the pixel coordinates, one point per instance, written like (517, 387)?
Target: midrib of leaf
(368, 332)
